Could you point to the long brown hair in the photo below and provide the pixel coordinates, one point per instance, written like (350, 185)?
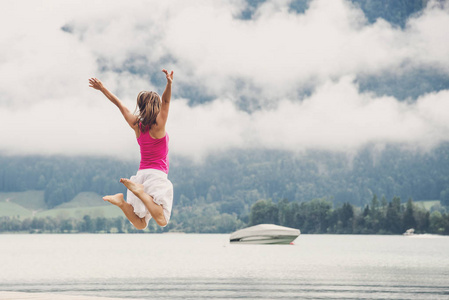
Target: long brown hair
(148, 106)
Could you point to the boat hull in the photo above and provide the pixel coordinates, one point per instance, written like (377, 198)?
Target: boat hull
(265, 234)
(281, 240)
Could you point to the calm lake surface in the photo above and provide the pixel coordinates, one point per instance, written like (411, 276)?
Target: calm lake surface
(193, 266)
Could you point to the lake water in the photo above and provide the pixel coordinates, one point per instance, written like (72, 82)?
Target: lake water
(193, 266)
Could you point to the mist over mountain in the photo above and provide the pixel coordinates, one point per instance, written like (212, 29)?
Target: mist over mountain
(272, 99)
(402, 83)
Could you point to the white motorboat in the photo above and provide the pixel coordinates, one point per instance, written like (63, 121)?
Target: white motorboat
(265, 234)
(410, 231)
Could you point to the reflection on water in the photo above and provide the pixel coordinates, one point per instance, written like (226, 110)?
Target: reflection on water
(180, 266)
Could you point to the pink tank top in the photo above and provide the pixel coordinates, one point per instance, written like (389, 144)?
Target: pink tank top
(153, 152)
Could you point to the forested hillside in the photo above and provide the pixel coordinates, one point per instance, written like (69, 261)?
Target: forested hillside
(237, 179)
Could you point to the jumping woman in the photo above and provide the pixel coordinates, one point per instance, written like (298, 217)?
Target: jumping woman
(150, 193)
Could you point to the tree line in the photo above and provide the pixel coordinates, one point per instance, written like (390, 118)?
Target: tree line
(378, 217)
(87, 224)
(314, 217)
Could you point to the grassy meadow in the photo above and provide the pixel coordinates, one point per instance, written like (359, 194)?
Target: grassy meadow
(31, 204)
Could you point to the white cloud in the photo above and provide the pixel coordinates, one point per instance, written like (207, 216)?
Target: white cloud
(337, 117)
(67, 128)
(46, 106)
(427, 36)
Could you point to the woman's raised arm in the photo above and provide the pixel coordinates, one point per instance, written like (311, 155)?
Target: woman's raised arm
(166, 96)
(129, 117)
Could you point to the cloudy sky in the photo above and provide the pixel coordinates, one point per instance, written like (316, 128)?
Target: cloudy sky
(279, 80)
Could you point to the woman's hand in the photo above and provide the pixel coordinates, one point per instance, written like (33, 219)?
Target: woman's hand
(96, 84)
(169, 76)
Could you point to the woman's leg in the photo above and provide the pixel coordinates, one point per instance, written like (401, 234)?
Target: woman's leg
(155, 210)
(127, 209)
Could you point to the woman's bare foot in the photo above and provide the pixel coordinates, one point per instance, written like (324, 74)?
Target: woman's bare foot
(136, 188)
(116, 199)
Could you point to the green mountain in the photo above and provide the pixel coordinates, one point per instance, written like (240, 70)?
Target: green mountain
(235, 180)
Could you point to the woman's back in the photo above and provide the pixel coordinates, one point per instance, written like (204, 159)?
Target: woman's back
(153, 152)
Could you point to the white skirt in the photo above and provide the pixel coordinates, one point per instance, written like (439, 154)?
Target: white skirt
(156, 185)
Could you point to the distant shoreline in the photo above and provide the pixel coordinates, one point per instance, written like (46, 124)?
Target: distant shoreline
(418, 235)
